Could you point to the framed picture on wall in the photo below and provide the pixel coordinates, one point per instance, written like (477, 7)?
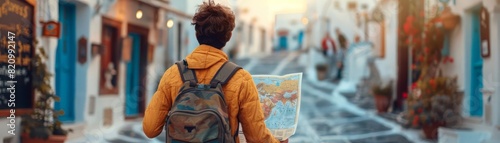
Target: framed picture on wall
(82, 50)
(51, 29)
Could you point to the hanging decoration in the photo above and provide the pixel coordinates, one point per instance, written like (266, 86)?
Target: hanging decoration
(448, 19)
(82, 50)
(485, 32)
(51, 29)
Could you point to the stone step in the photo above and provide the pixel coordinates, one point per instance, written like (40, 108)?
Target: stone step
(78, 130)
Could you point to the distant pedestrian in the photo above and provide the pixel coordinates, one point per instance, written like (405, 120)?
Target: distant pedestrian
(328, 45)
(341, 39)
(340, 55)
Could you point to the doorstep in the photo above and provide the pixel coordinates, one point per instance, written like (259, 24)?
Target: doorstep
(472, 130)
(78, 129)
(390, 116)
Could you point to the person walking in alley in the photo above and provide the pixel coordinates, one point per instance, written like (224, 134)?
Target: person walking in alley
(341, 39)
(328, 45)
(205, 70)
(341, 53)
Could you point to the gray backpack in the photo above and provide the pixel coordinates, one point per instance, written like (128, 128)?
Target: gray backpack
(200, 113)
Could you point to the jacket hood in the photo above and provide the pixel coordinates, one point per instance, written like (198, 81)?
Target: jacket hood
(205, 56)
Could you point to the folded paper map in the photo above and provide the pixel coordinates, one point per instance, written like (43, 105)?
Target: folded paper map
(280, 101)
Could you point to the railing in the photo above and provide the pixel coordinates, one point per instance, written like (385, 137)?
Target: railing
(356, 62)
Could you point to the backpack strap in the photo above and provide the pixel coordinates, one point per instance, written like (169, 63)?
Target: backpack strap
(225, 73)
(186, 73)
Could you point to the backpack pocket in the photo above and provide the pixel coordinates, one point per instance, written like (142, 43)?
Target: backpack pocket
(194, 126)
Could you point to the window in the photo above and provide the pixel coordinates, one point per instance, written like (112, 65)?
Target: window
(108, 82)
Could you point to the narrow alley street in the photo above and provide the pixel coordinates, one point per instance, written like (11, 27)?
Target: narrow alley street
(373, 71)
(324, 117)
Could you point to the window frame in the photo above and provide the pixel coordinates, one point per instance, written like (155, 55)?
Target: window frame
(104, 54)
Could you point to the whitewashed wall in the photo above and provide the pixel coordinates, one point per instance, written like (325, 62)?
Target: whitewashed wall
(259, 16)
(387, 66)
(460, 47)
(292, 22)
(320, 10)
(123, 11)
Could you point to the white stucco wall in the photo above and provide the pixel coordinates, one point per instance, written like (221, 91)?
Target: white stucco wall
(320, 10)
(261, 15)
(387, 66)
(123, 11)
(4, 133)
(496, 37)
(460, 47)
(83, 13)
(258, 15)
(292, 22)
(168, 50)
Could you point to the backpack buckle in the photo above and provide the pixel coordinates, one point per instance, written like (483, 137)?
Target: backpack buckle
(214, 83)
(193, 84)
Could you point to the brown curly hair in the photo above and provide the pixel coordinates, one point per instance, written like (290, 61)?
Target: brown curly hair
(213, 24)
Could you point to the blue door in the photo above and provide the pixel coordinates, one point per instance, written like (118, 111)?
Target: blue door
(476, 103)
(65, 62)
(283, 43)
(301, 39)
(133, 73)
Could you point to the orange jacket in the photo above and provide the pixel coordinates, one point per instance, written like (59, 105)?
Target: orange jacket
(240, 94)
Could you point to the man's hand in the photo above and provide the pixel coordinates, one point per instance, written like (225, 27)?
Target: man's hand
(285, 141)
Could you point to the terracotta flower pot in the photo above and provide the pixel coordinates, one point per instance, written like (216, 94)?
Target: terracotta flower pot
(431, 130)
(322, 71)
(449, 20)
(52, 139)
(382, 103)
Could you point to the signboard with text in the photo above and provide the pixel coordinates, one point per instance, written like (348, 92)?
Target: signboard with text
(16, 51)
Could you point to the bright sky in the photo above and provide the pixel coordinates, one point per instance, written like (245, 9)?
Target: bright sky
(287, 6)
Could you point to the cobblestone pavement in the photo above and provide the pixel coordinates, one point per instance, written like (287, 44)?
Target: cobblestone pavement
(320, 121)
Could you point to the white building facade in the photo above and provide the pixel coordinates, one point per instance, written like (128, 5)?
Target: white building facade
(481, 103)
(478, 76)
(110, 56)
(289, 31)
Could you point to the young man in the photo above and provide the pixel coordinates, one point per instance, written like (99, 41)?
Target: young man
(341, 39)
(213, 24)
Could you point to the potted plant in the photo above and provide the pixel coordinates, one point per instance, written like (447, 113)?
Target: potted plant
(435, 102)
(383, 95)
(322, 71)
(43, 126)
